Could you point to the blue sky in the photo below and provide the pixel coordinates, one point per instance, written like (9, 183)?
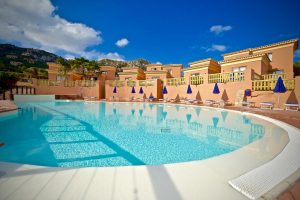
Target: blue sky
(159, 31)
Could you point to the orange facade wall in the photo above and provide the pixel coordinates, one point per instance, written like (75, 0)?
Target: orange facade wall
(205, 91)
(97, 91)
(282, 58)
(259, 66)
(236, 55)
(174, 71)
(124, 92)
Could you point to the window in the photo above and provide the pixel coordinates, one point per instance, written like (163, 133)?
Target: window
(60, 78)
(153, 69)
(155, 77)
(170, 71)
(239, 69)
(278, 72)
(128, 78)
(196, 74)
(104, 72)
(270, 56)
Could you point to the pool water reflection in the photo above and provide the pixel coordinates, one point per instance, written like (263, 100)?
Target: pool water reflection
(73, 134)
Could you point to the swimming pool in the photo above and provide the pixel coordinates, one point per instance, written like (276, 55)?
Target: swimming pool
(78, 134)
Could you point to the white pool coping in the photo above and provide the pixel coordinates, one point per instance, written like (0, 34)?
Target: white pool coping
(205, 179)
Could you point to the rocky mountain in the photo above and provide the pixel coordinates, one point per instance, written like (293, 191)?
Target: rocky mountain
(141, 63)
(16, 59)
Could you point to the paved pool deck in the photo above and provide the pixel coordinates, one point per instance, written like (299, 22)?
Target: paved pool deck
(206, 179)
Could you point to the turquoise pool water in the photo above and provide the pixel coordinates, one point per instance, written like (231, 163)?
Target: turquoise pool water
(78, 134)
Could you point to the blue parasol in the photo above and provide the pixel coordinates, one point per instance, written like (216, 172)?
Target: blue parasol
(165, 91)
(115, 90)
(132, 90)
(279, 88)
(216, 89)
(189, 90)
(141, 91)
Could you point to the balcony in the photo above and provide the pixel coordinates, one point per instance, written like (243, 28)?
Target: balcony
(117, 83)
(131, 83)
(268, 85)
(86, 83)
(226, 77)
(273, 76)
(196, 80)
(146, 83)
(48, 82)
(176, 81)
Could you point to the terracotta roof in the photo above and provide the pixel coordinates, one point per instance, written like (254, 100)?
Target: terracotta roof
(153, 64)
(127, 73)
(156, 72)
(263, 47)
(200, 61)
(245, 58)
(173, 65)
(128, 68)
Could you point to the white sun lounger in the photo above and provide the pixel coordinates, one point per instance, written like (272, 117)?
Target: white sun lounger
(208, 102)
(292, 106)
(266, 105)
(248, 104)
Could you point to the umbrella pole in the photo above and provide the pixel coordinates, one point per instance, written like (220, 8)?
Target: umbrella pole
(278, 100)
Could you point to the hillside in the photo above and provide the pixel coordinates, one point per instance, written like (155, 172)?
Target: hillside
(141, 63)
(17, 59)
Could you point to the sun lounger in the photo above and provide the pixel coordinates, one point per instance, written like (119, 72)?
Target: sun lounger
(86, 98)
(183, 100)
(248, 104)
(292, 106)
(92, 98)
(219, 103)
(266, 105)
(208, 102)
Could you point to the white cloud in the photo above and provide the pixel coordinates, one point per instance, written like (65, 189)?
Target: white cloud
(216, 47)
(217, 29)
(95, 55)
(297, 54)
(35, 24)
(122, 42)
(69, 57)
(159, 63)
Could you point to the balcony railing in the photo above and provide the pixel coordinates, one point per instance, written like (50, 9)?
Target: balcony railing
(196, 80)
(268, 85)
(48, 82)
(226, 77)
(146, 82)
(131, 83)
(273, 76)
(69, 83)
(176, 81)
(116, 83)
(86, 83)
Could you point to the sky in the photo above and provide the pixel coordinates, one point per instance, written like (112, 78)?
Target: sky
(161, 31)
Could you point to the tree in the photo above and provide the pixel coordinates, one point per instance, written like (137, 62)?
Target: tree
(31, 72)
(85, 68)
(78, 64)
(65, 67)
(92, 69)
(297, 68)
(8, 80)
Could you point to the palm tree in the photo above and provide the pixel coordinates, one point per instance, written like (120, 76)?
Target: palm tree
(31, 72)
(64, 68)
(79, 65)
